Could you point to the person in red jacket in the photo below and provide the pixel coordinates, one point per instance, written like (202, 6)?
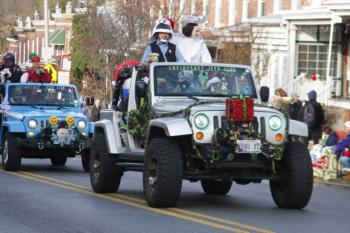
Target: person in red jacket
(36, 74)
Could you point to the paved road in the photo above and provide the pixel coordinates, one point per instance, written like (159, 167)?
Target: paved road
(42, 198)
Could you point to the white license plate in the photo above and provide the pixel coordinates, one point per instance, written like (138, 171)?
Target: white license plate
(248, 146)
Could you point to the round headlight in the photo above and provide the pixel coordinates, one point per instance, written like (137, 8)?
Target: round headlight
(81, 124)
(32, 124)
(275, 122)
(201, 121)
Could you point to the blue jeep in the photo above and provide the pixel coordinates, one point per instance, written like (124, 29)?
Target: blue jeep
(42, 121)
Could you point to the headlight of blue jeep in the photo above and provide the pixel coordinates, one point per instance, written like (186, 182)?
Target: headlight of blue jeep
(275, 122)
(81, 125)
(201, 121)
(32, 124)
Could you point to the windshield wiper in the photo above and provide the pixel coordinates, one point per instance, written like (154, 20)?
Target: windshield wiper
(192, 97)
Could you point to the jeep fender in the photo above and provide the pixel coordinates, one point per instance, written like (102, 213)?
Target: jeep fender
(14, 127)
(91, 127)
(170, 126)
(298, 128)
(112, 137)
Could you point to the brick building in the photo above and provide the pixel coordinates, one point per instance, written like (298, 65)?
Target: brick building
(30, 33)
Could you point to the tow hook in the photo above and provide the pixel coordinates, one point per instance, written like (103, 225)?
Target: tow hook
(81, 146)
(40, 145)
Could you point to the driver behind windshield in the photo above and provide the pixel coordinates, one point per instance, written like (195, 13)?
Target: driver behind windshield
(185, 82)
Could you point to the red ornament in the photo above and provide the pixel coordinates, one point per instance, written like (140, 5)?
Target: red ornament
(313, 77)
(241, 109)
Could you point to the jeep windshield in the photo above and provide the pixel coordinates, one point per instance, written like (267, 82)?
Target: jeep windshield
(44, 95)
(203, 80)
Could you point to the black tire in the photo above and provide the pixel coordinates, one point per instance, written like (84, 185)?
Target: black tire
(59, 160)
(11, 153)
(295, 191)
(105, 176)
(85, 159)
(216, 187)
(162, 173)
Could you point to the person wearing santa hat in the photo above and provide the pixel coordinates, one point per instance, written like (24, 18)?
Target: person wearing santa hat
(36, 74)
(160, 46)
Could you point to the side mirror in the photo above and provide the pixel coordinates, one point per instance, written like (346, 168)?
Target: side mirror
(89, 100)
(264, 93)
(125, 73)
(141, 89)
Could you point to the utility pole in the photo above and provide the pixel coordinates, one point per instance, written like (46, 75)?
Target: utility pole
(46, 54)
(46, 14)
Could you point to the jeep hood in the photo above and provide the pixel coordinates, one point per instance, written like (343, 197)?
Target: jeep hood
(43, 113)
(173, 106)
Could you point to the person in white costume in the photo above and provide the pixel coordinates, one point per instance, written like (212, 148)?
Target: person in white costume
(192, 46)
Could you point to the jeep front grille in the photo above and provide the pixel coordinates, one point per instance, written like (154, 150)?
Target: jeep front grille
(262, 124)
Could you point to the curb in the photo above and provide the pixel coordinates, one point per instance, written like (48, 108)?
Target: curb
(331, 184)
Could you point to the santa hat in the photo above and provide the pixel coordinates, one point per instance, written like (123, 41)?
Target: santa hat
(35, 59)
(172, 23)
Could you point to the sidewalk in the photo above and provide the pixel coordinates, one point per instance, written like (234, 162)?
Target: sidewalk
(341, 182)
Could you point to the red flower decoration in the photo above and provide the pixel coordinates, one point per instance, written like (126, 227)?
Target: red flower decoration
(313, 77)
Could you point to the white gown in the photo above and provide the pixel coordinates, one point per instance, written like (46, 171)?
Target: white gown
(194, 50)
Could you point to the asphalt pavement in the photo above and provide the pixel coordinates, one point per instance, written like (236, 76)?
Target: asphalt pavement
(42, 198)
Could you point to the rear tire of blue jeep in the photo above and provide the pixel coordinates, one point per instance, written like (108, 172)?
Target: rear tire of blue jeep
(11, 153)
(162, 173)
(105, 176)
(216, 187)
(59, 160)
(294, 191)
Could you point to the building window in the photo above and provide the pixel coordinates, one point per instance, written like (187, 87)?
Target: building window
(261, 8)
(312, 59)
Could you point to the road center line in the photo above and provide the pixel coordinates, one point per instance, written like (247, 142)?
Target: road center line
(129, 203)
(183, 211)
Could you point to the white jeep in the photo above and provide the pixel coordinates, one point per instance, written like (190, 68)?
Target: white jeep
(200, 122)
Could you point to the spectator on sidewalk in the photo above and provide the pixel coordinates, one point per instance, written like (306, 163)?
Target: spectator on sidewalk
(313, 117)
(281, 100)
(332, 136)
(295, 108)
(342, 148)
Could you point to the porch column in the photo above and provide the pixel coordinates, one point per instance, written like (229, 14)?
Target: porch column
(232, 12)
(245, 9)
(182, 6)
(292, 31)
(295, 4)
(193, 7)
(329, 56)
(218, 6)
